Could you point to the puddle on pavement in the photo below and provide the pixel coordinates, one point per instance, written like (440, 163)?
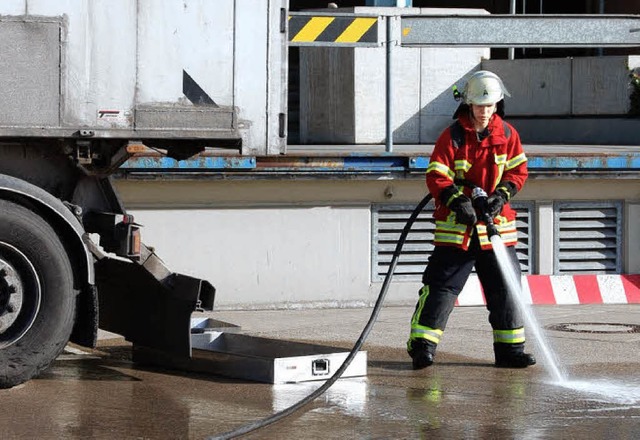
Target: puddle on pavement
(483, 403)
(456, 398)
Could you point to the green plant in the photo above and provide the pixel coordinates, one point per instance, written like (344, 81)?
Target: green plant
(634, 97)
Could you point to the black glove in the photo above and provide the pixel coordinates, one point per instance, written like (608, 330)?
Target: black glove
(495, 203)
(463, 208)
(497, 200)
(457, 202)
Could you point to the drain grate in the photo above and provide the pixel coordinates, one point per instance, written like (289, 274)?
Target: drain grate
(595, 327)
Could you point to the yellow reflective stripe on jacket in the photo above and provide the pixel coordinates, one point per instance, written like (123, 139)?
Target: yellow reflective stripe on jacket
(462, 165)
(449, 231)
(501, 161)
(440, 168)
(507, 230)
(483, 237)
(451, 225)
(441, 237)
(514, 336)
(515, 161)
(509, 237)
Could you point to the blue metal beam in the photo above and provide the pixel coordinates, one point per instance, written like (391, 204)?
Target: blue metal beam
(195, 164)
(619, 162)
(368, 163)
(625, 161)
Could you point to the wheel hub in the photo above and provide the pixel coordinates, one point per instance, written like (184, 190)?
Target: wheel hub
(20, 294)
(10, 296)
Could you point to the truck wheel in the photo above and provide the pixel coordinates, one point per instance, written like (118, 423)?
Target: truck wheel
(37, 300)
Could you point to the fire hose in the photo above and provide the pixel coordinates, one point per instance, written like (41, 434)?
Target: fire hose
(354, 351)
(479, 199)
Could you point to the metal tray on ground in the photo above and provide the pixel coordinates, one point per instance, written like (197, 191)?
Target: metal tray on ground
(218, 348)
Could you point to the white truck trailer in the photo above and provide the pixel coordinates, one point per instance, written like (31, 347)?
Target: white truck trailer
(83, 84)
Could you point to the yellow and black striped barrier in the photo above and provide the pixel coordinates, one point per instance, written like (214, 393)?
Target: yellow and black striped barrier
(332, 30)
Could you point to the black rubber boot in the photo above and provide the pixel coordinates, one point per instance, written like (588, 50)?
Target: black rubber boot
(512, 356)
(422, 352)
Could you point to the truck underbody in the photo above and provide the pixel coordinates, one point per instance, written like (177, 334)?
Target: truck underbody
(68, 249)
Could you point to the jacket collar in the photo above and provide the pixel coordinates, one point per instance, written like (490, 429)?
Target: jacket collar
(495, 127)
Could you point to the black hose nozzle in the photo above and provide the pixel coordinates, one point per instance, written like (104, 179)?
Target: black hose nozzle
(480, 202)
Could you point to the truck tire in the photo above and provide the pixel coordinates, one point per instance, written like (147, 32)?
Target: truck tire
(37, 299)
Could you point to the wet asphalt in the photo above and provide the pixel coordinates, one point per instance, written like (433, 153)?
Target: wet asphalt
(102, 394)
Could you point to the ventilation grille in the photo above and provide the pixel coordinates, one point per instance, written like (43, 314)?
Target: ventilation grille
(588, 237)
(389, 221)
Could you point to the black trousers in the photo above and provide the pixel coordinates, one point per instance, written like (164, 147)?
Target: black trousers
(446, 274)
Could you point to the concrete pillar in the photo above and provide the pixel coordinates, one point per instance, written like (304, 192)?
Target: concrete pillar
(631, 251)
(545, 237)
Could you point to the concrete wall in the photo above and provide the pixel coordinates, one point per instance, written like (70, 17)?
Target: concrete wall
(584, 86)
(270, 243)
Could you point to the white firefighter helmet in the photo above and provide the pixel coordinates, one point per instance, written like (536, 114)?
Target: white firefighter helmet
(484, 88)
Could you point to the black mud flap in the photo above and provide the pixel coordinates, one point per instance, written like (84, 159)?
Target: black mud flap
(148, 304)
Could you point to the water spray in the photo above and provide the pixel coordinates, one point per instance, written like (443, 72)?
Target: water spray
(606, 390)
(515, 290)
(480, 202)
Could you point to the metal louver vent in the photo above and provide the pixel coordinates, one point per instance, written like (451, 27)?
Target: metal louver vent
(389, 221)
(588, 237)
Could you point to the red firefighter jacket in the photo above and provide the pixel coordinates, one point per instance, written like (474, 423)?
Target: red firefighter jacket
(497, 158)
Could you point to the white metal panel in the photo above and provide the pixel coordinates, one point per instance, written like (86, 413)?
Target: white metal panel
(30, 73)
(195, 36)
(13, 7)
(251, 72)
(522, 31)
(269, 360)
(98, 58)
(277, 95)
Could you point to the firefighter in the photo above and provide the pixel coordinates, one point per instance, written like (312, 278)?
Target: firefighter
(480, 150)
